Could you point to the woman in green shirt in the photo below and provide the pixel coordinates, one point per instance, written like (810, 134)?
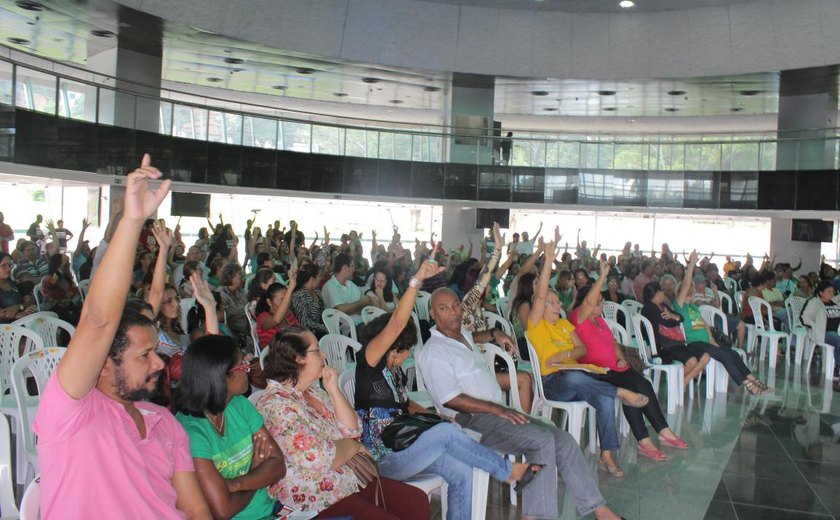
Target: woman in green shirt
(236, 459)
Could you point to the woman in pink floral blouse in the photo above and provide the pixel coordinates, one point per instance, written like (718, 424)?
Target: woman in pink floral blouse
(328, 470)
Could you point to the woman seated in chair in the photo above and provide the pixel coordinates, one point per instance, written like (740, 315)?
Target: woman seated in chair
(756, 286)
(58, 291)
(307, 302)
(555, 345)
(821, 314)
(602, 350)
(272, 311)
(444, 449)
(328, 470)
(236, 459)
(13, 305)
(166, 300)
(670, 341)
(805, 289)
(232, 289)
(381, 290)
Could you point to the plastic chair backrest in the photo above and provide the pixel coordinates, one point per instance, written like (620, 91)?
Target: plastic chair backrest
(494, 319)
(186, 305)
(40, 363)
(490, 353)
(45, 314)
(711, 315)
(48, 328)
(334, 347)
(36, 293)
(338, 322)
(535, 368)
(726, 299)
(738, 298)
(611, 310)
(30, 505)
(15, 341)
(502, 306)
(84, 285)
(347, 384)
(641, 323)
(756, 306)
(618, 332)
(370, 313)
(250, 307)
(632, 307)
(421, 305)
(7, 491)
(794, 305)
(731, 285)
(417, 329)
(562, 313)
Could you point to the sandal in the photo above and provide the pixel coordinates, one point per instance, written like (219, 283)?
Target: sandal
(675, 442)
(528, 477)
(753, 387)
(653, 454)
(613, 470)
(640, 401)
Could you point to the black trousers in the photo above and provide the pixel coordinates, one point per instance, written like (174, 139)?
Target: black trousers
(636, 382)
(727, 357)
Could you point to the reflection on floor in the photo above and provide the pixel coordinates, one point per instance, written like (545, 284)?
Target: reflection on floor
(772, 457)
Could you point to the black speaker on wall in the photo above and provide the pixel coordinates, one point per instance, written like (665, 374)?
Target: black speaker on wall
(484, 218)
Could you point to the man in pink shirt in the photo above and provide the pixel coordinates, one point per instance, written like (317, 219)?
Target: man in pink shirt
(101, 451)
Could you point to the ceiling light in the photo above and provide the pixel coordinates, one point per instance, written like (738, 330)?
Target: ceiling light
(234, 61)
(550, 109)
(606, 92)
(736, 109)
(30, 6)
(609, 109)
(279, 87)
(626, 4)
(676, 92)
(18, 41)
(395, 101)
(430, 88)
(672, 109)
(304, 70)
(539, 93)
(214, 80)
(102, 33)
(750, 92)
(340, 94)
(370, 80)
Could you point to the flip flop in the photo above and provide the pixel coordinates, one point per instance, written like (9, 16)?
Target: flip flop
(528, 477)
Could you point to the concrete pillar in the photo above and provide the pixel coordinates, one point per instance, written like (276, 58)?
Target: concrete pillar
(458, 226)
(471, 116)
(787, 250)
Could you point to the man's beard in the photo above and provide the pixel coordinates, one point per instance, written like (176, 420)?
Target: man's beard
(138, 393)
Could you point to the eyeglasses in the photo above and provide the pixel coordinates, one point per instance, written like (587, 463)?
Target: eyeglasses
(243, 366)
(314, 350)
(6, 265)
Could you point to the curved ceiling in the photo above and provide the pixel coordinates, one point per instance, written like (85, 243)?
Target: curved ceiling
(590, 6)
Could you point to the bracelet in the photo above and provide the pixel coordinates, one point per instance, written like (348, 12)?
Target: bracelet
(415, 282)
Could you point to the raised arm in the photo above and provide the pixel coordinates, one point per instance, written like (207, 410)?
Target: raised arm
(85, 225)
(204, 296)
(79, 369)
(541, 291)
(164, 241)
(373, 246)
(688, 279)
(537, 234)
(379, 345)
(587, 308)
(273, 320)
(526, 267)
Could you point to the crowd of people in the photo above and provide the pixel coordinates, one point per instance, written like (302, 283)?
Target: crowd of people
(157, 398)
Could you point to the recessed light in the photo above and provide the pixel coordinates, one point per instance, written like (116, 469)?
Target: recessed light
(430, 88)
(550, 109)
(676, 92)
(340, 94)
(609, 109)
(750, 92)
(214, 79)
(30, 6)
(279, 87)
(672, 109)
(626, 4)
(370, 80)
(304, 70)
(234, 61)
(539, 93)
(606, 92)
(18, 41)
(395, 101)
(102, 33)
(736, 109)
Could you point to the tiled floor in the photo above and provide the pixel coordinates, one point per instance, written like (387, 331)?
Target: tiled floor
(774, 457)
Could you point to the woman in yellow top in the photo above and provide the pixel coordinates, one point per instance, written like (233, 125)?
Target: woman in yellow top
(556, 345)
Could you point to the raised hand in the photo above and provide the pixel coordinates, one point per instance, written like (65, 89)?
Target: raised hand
(540, 244)
(163, 236)
(497, 236)
(202, 292)
(373, 233)
(428, 269)
(550, 252)
(693, 258)
(140, 201)
(292, 276)
(605, 268)
(85, 224)
(557, 235)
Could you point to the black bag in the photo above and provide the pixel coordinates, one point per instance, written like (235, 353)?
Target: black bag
(722, 340)
(405, 428)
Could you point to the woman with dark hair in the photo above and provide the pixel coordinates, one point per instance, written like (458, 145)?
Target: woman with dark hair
(165, 299)
(328, 470)
(754, 287)
(612, 289)
(602, 350)
(821, 314)
(216, 265)
(670, 341)
(235, 457)
(13, 305)
(582, 278)
(520, 309)
(198, 321)
(458, 279)
(232, 289)
(381, 290)
(556, 346)
(59, 292)
(805, 289)
(259, 283)
(203, 242)
(381, 395)
(272, 311)
(142, 267)
(307, 302)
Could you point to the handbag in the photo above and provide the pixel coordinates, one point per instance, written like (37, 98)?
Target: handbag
(406, 428)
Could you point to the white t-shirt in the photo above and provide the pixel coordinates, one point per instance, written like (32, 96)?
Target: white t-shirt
(450, 368)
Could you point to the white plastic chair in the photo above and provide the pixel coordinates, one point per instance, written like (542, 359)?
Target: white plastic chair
(727, 304)
(674, 372)
(494, 319)
(347, 384)
(632, 307)
(576, 411)
(503, 307)
(738, 298)
(47, 327)
(712, 316)
(186, 305)
(827, 355)
(30, 505)
(84, 286)
(611, 310)
(263, 353)
(767, 335)
(421, 305)
(730, 284)
(490, 353)
(370, 313)
(250, 307)
(334, 347)
(36, 293)
(619, 333)
(338, 322)
(40, 364)
(798, 331)
(7, 491)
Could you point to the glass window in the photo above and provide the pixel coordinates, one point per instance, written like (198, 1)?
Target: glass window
(35, 90)
(148, 114)
(568, 154)
(5, 83)
(606, 156)
(745, 156)
(224, 127)
(589, 155)
(710, 156)
(189, 122)
(628, 156)
(327, 139)
(768, 156)
(107, 98)
(165, 110)
(296, 137)
(537, 152)
(259, 132)
(77, 100)
(402, 146)
(361, 143)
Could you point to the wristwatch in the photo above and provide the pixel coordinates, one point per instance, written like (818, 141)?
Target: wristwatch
(415, 282)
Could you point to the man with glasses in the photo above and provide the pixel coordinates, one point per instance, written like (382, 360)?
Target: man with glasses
(101, 448)
(31, 269)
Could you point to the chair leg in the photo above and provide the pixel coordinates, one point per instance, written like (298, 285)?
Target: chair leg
(773, 350)
(480, 485)
(593, 431)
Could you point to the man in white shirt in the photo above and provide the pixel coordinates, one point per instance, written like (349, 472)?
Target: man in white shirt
(340, 293)
(526, 245)
(464, 387)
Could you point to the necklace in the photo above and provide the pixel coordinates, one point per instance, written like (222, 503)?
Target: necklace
(219, 429)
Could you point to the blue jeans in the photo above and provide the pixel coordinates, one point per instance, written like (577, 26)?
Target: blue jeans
(447, 451)
(572, 385)
(833, 339)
